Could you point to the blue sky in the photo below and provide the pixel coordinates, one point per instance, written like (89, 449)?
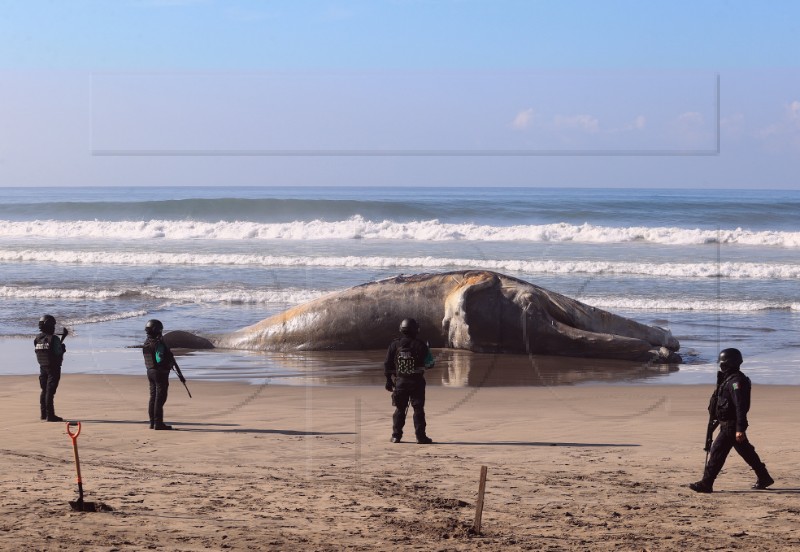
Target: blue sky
(456, 92)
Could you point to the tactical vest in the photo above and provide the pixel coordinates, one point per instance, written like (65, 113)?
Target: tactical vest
(149, 352)
(406, 362)
(724, 407)
(43, 345)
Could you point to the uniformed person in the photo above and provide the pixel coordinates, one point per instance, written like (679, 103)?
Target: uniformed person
(159, 360)
(50, 355)
(406, 361)
(729, 405)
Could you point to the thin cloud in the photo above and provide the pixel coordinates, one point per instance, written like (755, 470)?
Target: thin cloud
(793, 111)
(692, 129)
(585, 123)
(691, 119)
(639, 123)
(732, 125)
(523, 119)
(777, 135)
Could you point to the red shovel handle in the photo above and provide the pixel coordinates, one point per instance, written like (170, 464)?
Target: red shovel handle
(74, 437)
(78, 432)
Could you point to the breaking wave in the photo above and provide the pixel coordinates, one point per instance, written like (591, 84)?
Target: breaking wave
(737, 270)
(357, 227)
(292, 297)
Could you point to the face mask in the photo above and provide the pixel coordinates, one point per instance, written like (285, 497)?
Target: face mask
(726, 368)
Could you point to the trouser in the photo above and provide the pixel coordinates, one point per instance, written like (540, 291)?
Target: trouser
(48, 381)
(405, 391)
(725, 441)
(159, 387)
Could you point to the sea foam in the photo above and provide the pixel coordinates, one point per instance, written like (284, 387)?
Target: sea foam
(292, 296)
(359, 228)
(730, 270)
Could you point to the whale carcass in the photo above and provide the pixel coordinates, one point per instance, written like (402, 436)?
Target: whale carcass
(480, 311)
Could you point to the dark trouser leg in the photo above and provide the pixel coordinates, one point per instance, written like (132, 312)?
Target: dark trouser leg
(53, 378)
(43, 394)
(151, 406)
(159, 388)
(749, 454)
(418, 404)
(719, 452)
(400, 396)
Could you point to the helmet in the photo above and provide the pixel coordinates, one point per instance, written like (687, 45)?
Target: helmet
(47, 324)
(730, 359)
(409, 327)
(153, 328)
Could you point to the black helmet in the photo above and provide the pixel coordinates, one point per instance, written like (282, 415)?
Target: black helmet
(47, 324)
(153, 328)
(730, 359)
(409, 327)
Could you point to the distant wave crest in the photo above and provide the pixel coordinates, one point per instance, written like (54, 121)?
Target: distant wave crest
(357, 227)
(738, 270)
(292, 297)
(199, 295)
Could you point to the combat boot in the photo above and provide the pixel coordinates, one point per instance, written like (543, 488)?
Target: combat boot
(701, 487)
(763, 479)
(51, 414)
(763, 482)
(161, 426)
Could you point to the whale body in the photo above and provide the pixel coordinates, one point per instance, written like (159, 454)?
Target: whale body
(475, 310)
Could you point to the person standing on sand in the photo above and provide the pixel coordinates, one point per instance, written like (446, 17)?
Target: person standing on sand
(406, 360)
(729, 405)
(50, 355)
(159, 360)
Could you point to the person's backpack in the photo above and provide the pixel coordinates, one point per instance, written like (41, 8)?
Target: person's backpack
(404, 362)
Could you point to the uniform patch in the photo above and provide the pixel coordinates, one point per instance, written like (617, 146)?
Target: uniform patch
(404, 362)
(735, 386)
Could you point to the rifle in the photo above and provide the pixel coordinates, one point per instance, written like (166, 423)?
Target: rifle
(180, 376)
(712, 413)
(64, 334)
(712, 425)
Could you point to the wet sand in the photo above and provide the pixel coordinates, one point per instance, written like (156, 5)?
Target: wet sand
(311, 468)
(454, 368)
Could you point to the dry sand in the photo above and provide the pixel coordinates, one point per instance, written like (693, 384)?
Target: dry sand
(311, 468)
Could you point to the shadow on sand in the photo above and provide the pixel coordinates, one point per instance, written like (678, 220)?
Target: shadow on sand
(202, 427)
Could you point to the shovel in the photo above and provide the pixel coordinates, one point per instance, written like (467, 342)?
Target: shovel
(79, 505)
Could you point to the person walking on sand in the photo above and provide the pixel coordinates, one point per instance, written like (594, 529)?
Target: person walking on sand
(159, 361)
(50, 355)
(406, 360)
(729, 405)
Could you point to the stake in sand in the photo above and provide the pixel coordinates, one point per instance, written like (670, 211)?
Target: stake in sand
(479, 505)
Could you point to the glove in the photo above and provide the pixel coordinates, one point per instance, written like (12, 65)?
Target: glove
(63, 348)
(64, 333)
(389, 385)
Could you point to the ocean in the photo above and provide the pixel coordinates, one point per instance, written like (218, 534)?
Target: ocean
(719, 268)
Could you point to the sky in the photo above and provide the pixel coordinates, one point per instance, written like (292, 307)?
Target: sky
(609, 93)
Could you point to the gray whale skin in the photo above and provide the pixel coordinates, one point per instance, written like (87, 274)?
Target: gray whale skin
(479, 311)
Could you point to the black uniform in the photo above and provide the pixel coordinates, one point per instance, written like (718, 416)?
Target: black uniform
(159, 360)
(729, 405)
(50, 356)
(407, 359)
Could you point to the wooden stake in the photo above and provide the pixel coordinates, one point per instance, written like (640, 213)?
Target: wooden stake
(479, 505)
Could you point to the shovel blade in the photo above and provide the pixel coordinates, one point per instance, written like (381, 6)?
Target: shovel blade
(83, 506)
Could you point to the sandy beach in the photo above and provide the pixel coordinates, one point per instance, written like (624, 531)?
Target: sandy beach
(311, 468)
